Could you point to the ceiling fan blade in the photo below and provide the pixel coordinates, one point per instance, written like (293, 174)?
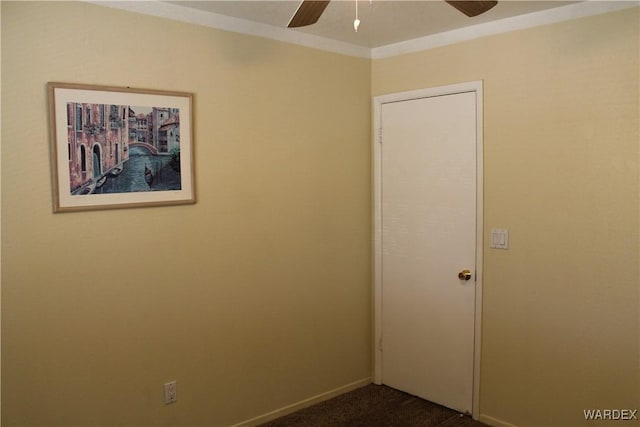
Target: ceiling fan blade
(308, 13)
(473, 8)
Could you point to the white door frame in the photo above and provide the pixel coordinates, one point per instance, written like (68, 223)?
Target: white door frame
(378, 101)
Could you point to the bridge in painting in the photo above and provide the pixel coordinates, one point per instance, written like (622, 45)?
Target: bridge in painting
(144, 145)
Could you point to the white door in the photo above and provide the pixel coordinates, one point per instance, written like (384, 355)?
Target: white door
(427, 203)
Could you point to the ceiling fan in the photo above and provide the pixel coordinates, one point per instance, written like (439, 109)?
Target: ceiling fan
(309, 11)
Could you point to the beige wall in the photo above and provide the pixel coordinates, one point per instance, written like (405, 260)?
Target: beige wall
(561, 306)
(259, 295)
(255, 298)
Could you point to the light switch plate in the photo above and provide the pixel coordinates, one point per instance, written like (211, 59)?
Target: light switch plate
(500, 238)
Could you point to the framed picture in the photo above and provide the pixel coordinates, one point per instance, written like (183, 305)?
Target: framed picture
(117, 147)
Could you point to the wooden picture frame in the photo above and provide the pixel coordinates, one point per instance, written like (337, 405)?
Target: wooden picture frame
(116, 147)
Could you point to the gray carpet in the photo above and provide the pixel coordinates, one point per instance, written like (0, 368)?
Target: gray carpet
(372, 406)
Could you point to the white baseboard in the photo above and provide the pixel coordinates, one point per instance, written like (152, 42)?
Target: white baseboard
(304, 403)
(495, 422)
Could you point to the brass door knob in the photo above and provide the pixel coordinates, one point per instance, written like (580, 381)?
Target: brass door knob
(464, 275)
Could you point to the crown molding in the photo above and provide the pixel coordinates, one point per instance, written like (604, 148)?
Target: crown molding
(236, 25)
(227, 23)
(530, 20)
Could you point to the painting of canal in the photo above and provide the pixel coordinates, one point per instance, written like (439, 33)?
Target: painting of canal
(122, 148)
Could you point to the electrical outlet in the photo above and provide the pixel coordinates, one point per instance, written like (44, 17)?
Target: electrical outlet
(170, 392)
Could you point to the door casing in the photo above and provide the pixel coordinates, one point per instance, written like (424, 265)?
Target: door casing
(378, 101)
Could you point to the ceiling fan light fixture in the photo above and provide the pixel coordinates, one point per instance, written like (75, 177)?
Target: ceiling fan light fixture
(309, 11)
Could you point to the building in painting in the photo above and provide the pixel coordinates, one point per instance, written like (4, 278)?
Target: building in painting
(169, 135)
(132, 125)
(164, 129)
(158, 130)
(142, 128)
(97, 141)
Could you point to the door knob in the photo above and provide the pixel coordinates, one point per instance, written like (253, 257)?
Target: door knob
(464, 275)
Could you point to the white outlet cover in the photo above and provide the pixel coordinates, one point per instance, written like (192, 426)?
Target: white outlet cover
(170, 392)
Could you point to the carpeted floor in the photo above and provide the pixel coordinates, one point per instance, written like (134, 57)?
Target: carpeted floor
(375, 406)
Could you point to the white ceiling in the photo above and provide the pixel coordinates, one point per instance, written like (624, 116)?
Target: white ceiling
(383, 22)
(388, 27)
